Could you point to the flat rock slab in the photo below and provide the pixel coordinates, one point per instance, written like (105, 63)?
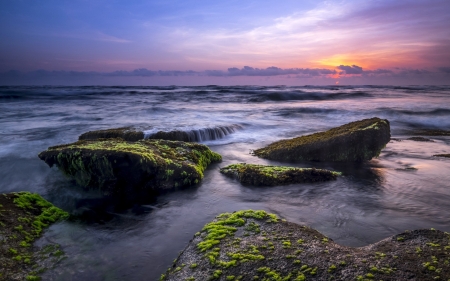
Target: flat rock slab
(118, 166)
(261, 175)
(126, 133)
(353, 142)
(255, 245)
(23, 218)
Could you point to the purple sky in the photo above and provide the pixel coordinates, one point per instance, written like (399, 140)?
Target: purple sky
(231, 42)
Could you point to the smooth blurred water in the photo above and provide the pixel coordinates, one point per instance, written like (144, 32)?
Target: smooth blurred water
(370, 202)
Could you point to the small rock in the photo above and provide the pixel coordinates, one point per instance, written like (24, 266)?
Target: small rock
(420, 139)
(260, 175)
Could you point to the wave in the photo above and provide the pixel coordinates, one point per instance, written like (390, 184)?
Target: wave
(434, 112)
(195, 135)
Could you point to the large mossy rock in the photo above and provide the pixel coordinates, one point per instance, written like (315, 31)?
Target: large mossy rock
(353, 142)
(126, 133)
(255, 245)
(115, 165)
(23, 218)
(262, 175)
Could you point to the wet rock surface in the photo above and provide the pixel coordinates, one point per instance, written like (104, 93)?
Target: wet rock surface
(442, 155)
(353, 142)
(196, 135)
(431, 132)
(262, 175)
(255, 245)
(119, 167)
(23, 218)
(126, 133)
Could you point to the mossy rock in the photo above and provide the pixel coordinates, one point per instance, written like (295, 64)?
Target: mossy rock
(175, 135)
(431, 132)
(262, 175)
(353, 142)
(255, 245)
(126, 133)
(116, 166)
(23, 218)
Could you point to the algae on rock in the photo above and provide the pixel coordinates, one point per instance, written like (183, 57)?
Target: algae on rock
(255, 245)
(115, 165)
(23, 217)
(261, 175)
(357, 141)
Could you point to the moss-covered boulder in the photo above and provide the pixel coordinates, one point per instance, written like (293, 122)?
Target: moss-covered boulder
(126, 133)
(23, 218)
(255, 245)
(356, 141)
(262, 175)
(118, 166)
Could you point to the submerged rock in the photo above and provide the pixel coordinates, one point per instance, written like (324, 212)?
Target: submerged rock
(118, 166)
(356, 141)
(442, 155)
(261, 175)
(126, 133)
(255, 245)
(23, 218)
(422, 139)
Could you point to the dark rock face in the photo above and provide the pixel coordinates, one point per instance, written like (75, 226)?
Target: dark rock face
(117, 166)
(126, 133)
(422, 139)
(254, 245)
(442, 155)
(356, 141)
(260, 175)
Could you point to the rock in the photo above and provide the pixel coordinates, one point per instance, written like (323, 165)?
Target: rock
(356, 141)
(126, 133)
(422, 139)
(255, 245)
(260, 175)
(23, 218)
(116, 166)
(442, 155)
(196, 135)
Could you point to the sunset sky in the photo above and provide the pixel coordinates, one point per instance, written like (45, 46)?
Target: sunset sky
(196, 42)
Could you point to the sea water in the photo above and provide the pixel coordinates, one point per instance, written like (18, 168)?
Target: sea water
(404, 188)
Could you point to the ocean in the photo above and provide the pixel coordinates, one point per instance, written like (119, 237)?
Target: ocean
(404, 188)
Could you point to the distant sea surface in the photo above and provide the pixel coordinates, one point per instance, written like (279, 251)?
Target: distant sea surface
(404, 188)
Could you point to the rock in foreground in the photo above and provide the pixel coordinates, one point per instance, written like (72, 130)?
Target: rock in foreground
(356, 141)
(23, 217)
(126, 133)
(261, 175)
(118, 166)
(254, 245)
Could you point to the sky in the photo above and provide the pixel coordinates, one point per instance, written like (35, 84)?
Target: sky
(200, 42)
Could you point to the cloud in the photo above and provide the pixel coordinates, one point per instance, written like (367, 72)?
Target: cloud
(354, 69)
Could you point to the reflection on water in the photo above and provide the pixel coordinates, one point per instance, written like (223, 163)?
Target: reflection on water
(405, 188)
